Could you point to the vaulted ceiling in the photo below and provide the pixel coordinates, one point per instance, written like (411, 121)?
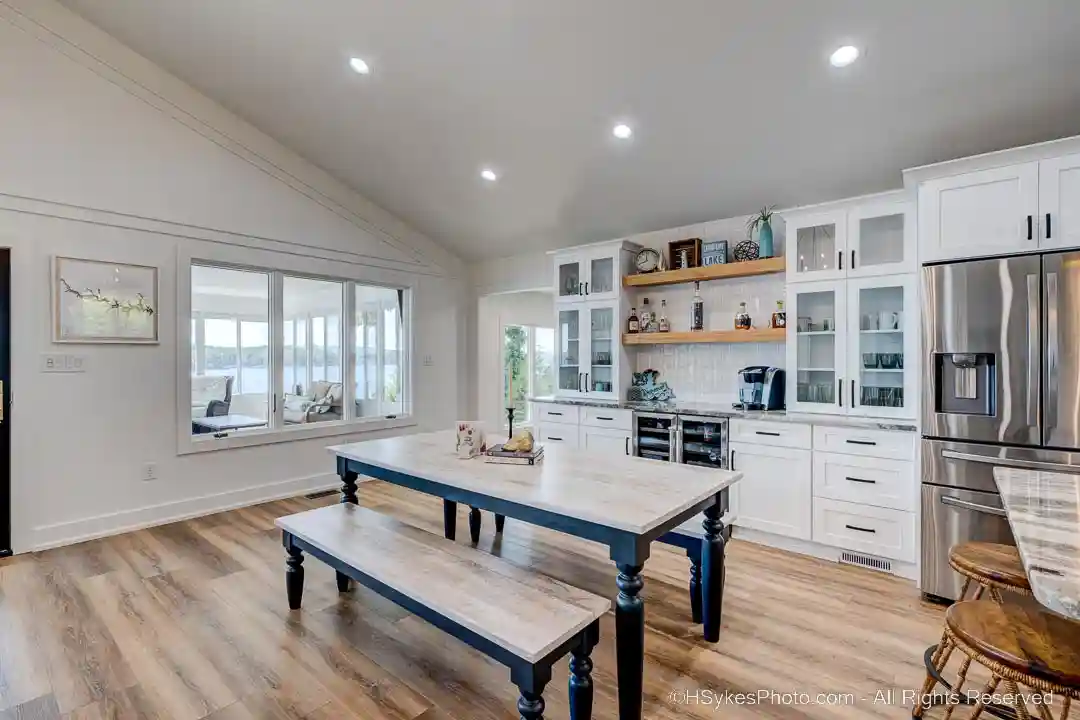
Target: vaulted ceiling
(733, 102)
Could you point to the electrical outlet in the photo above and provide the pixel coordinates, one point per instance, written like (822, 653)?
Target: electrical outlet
(149, 472)
(51, 362)
(62, 363)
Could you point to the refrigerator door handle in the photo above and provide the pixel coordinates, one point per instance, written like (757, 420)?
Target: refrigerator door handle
(1010, 463)
(947, 500)
(1053, 357)
(1033, 350)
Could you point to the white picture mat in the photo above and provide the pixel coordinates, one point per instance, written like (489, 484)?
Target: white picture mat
(88, 320)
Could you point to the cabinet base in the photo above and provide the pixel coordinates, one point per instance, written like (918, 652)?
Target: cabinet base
(908, 571)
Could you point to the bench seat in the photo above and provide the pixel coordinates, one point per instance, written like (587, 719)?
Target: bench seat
(520, 618)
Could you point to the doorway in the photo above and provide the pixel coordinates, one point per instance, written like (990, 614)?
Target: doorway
(5, 402)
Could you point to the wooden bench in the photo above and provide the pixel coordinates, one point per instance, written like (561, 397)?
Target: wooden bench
(521, 619)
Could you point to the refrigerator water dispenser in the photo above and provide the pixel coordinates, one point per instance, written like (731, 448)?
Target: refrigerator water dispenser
(964, 383)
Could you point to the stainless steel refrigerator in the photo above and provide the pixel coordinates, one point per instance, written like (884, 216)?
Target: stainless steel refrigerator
(1001, 353)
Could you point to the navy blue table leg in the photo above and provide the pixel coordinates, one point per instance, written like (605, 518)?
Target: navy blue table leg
(712, 572)
(630, 640)
(348, 487)
(500, 522)
(294, 573)
(449, 515)
(694, 554)
(581, 665)
(475, 520)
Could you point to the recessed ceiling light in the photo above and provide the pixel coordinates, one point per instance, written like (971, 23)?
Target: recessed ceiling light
(622, 131)
(489, 175)
(844, 56)
(360, 66)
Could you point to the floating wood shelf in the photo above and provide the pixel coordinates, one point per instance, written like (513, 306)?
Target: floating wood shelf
(706, 336)
(710, 272)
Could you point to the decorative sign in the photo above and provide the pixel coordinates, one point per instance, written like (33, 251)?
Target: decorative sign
(714, 252)
(104, 302)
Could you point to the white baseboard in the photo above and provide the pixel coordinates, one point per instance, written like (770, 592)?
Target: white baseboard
(76, 531)
(813, 549)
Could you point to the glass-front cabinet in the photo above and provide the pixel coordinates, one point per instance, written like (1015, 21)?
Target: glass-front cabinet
(603, 351)
(851, 345)
(591, 273)
(568, 352)
(815, 348)
(882, 322)
(865, 237)
(569, 276)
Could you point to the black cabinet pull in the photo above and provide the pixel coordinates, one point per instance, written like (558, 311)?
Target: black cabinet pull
(840, 259)
(859, 529)
(852, 393)
(860, 480)
(586, 288)
(579, 381)
(769, 434)
(587, 383)
(627, 443)
(1031, 232)
(732, 463)
(601, 417)
(860, 442)
(552, 437)
(840, 392)
(1047, 226)
(552, 412)
(852, 259)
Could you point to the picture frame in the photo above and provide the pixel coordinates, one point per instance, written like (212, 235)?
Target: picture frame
(685, 254)
(102, 302)
(714, 252)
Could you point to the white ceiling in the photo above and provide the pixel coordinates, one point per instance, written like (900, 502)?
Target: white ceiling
(733, 102)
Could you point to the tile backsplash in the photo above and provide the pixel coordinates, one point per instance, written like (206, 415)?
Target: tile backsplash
(707, 372)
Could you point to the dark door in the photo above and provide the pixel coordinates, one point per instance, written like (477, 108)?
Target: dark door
(5, 402)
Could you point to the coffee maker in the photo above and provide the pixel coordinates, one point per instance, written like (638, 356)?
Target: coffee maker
(761, 388)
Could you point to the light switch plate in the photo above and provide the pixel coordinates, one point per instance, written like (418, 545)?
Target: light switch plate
(62, 363)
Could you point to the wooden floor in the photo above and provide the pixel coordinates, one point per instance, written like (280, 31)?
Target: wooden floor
(189, 621)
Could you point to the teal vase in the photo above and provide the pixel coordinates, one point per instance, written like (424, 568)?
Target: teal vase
(765, 241)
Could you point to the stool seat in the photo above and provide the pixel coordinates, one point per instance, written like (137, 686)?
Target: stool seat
(1020, 636)
(993, 561)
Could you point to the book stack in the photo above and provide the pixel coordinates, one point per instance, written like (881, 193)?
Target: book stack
(498, 454)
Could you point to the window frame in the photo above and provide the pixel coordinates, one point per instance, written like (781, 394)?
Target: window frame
(530, 370)
(350, 275)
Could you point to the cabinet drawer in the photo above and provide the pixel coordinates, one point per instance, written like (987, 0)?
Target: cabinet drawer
(870, 481)
(609, 441)
(614, 418)
(872, 530)
(556, 434)
(871, 443)
(552, 412)
(762, 432)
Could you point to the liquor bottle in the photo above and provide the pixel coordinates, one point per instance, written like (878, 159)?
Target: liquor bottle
(633, 326)
(646, 317)
(742, 318)
(664, 325)
(779, 318)
(697, 309)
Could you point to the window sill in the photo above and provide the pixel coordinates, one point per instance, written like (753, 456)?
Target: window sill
(192, 444)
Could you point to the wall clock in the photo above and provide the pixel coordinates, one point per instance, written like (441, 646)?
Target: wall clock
(647, 260)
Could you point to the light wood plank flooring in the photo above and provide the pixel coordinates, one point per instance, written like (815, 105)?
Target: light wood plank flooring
(190, 621)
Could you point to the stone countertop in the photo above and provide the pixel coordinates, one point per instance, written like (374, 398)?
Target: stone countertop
(726, 411)
(1044, 514)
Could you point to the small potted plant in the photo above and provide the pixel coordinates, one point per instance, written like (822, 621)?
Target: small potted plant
(762, 223)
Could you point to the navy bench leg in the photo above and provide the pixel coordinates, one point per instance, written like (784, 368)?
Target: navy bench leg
(449, 514)
(581, 665)
(475, 519)
(531, 681)
(343, 582)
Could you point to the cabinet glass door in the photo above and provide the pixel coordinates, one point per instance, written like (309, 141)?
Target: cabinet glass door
(882, 319)
(603, 276)
(818, 243)
(882, 240)
(568, 275)
(815, 348)
(603, 349)
(571, 376)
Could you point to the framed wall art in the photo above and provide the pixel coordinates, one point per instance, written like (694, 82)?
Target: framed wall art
(95, 301)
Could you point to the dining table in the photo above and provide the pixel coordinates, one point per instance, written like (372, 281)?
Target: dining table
(623, 502)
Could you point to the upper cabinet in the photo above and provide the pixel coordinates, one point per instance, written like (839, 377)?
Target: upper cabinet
(980, 213)
(1015, 201)
(864, 237)
(592, 272)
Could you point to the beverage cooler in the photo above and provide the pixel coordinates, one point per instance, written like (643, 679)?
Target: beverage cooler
(703, 441)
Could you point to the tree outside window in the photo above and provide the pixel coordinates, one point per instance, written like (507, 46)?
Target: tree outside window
(528, 366)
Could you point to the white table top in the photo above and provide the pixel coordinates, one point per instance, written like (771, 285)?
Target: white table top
(627, 493)
(1044, 514)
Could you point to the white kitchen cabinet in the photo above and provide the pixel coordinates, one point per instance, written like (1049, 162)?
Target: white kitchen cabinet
(882, 321)
(865, 480)
(987, 212)
(816, 347)
(591, 359)
(570, 276)
(776, 492)
(882, 238)
(569, 345)
(1059, 202)
(604, 440)
(818, 245)
(556, 434)
(592, 272)
(873, 530)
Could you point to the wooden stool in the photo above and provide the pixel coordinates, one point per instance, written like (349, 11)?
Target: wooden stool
(1020, 643)
(992, 567)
